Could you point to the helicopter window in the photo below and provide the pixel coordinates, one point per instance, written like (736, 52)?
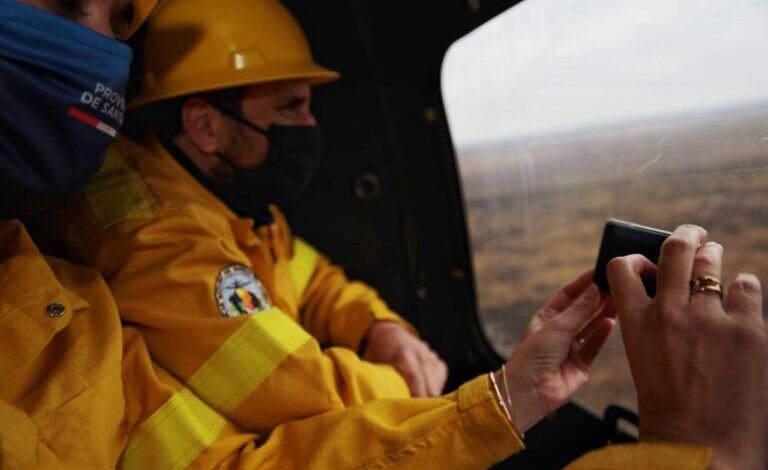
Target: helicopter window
(565, 114)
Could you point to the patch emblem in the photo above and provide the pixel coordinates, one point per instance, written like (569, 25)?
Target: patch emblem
(238, 292)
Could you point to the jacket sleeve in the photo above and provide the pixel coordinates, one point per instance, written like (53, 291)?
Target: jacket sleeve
(334, 309)
(661, 456)
(462, 430)
(170, 427)
(173, 428)
(258, 370)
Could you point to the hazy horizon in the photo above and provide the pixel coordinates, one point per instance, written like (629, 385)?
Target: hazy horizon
(589, 130)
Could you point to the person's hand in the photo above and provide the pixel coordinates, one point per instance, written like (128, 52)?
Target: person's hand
(557, 351)
(390, 343)
(701, 371)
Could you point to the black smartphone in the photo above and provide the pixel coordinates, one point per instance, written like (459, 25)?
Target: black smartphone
(622, 238)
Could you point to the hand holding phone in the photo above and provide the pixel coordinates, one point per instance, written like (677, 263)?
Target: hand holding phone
(622, 238)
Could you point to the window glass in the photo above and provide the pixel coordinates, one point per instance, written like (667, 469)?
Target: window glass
(565, 114)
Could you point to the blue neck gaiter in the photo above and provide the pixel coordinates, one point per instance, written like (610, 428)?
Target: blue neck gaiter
(62, 89)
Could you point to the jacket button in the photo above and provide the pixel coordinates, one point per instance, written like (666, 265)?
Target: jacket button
(55, 310)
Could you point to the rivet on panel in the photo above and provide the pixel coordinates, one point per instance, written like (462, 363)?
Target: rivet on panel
(430, 115)
(367, 186)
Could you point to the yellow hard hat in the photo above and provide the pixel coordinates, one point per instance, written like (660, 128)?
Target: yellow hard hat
(141, 10)
(192, 46)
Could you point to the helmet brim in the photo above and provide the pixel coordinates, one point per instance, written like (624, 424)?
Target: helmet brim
(315, 74)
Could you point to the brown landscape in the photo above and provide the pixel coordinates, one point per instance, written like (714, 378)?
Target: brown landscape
(536, 209)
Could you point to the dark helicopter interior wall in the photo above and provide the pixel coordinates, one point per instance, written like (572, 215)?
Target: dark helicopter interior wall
(386, 202)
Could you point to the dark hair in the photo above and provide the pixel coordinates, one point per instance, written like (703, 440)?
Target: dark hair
(164, 117)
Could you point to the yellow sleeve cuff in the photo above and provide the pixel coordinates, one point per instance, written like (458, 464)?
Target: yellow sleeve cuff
(472, 432)
(492, 428)
(659, 456)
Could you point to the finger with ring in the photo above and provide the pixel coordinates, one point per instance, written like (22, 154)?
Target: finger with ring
(701, 284)
(707, 266)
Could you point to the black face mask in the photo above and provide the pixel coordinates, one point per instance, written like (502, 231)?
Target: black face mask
(294, 154)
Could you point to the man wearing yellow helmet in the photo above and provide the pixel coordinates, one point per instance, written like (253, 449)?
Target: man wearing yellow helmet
(186, 230)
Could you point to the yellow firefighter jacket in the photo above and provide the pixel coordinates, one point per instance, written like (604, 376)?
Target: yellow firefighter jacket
(77, 391)
(60, 355)
(258, 324)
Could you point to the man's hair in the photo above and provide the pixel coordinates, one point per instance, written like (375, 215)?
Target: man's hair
(164, 117)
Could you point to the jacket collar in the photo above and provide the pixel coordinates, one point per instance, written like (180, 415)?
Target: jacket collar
(261, 216)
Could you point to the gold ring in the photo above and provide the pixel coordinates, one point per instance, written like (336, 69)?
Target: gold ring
(701, 284)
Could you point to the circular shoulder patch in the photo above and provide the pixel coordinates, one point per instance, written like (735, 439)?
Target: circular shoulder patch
(239, 292)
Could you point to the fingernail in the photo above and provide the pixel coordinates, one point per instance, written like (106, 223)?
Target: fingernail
(747, 282)
(714, 245)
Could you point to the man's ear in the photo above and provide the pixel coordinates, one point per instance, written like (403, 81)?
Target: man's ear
(203, 124)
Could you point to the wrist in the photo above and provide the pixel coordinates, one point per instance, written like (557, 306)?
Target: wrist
(383, 325)
(375, 328)
(522, 400)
